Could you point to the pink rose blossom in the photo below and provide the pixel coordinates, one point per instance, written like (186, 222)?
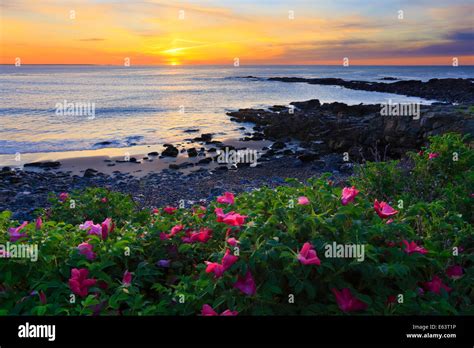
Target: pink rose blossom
(227, 198)
(308, 256)
(348, 195)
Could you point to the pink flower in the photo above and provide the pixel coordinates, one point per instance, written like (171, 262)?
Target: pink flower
(227, 198)
(389, 221)
(232, 241)
(202, 236)
(435, 285)
(207, 311)
(79, 283)
(220, 214)
(101, 230)
(86, 250)
(391, 299)
(176, 229)
(246, 284)
(39, 223)
(348, 195)
(384, 210)
(63, 196)
(164, 236)
(107, 228)
(411, 248)
(15, 233)
(214, 267)
(104, 200)
(155, 211)
(127, 278)
(218, 269)
(95, 230)
(170, 210)
(231, 218)
(86, 225)
(347, 302)
(303, 200)
(432, 155)
(234, 219)
(454, 272)
(228, 259)
(42, 297)
(308, 256)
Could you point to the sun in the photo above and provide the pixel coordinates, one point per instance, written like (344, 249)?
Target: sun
(174, 63)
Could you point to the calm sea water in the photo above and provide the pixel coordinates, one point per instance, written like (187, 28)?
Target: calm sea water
(153, 105)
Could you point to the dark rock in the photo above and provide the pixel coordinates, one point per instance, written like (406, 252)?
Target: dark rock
(154, 153)
(308, 157)
(257, 137)
(103, 143)
(90, 173)
(186, 165)
(44, 164)
(192, 152)
(206, 160)
(278, 145)
(191, 130)
(15, 179)
(318, 164)
(346, 168)
(170, 151)
(206, 137)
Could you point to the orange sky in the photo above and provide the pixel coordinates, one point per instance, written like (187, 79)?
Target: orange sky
(217, 32)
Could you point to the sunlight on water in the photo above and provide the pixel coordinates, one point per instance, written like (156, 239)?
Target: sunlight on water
(152, 105)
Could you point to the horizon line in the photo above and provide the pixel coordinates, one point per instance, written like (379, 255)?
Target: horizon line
(230, 65)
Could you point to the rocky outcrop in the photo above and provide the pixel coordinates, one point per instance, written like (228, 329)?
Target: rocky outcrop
(357, 129)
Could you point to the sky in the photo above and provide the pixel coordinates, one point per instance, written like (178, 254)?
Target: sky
(144, 32)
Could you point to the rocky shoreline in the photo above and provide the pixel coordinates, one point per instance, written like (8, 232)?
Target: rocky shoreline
(23, 191)
(450, 91)
(308, 138)
(359, 130)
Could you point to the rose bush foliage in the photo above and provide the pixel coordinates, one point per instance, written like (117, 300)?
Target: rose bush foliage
(265, 258)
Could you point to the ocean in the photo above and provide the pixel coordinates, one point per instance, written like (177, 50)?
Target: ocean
(146, 105)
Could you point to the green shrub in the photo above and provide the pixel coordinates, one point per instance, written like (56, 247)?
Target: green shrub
(169, 275)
